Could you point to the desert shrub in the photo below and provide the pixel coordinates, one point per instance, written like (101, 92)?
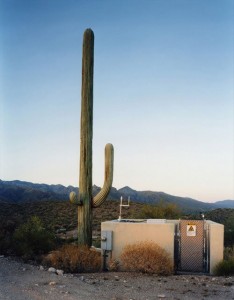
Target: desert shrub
(4, 240)
(229, 230)
(4, 243)
(31, 239)
(75, 259)
(7, 228)
(229, 253)
(224, 216)
(113, 265)
(160, 211)
(225, 268)
(146, 257)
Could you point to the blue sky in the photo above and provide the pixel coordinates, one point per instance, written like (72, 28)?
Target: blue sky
(163, 93)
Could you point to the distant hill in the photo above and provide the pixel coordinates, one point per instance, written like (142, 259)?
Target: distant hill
(45, 188)
(21, 191)
(224, 204)
(186, 204)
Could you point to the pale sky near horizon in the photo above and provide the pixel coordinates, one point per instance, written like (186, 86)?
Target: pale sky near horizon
(163, 93)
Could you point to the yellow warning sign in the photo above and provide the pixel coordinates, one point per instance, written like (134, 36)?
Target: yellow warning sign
(191, 230)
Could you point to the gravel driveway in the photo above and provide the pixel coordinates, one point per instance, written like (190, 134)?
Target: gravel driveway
(19, 281)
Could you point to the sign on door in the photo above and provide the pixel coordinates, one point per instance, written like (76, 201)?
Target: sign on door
(191, 230)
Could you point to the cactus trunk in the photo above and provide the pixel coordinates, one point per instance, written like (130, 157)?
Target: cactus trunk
(85, 201)
(86, 136)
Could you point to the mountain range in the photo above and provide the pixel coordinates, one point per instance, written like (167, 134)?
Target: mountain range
(21, 191)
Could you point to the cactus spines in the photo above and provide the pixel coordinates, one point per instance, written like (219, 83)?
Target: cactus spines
(85, 201)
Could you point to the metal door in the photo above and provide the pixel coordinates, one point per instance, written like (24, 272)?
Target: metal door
(192, 246)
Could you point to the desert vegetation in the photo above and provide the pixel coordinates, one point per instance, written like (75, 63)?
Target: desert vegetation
(146, 257)
(226, 267)
(57, 218)
(32, 238)
(31, 230)
(75, 259)
(160, 211)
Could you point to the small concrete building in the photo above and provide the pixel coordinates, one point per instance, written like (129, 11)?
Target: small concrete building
(194, 245)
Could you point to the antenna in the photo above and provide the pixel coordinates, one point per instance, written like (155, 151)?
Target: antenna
(122, 205)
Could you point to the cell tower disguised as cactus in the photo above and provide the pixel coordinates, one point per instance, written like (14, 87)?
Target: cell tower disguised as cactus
(85, 201)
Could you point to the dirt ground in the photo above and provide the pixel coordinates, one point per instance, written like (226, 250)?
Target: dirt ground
(19, 281)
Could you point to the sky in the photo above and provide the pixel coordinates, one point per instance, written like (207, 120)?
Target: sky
(163, 93)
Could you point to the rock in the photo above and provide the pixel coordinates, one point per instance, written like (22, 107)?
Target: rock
(52, 283)
(52, 270)
(213, 279)
(161, 296)
(62, 286)
(60, 272)
(227, 284)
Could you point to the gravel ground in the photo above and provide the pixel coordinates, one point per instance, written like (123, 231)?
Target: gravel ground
(19, 281)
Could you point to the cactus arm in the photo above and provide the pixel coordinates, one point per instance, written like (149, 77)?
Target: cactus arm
(74, 199)
(102, 195)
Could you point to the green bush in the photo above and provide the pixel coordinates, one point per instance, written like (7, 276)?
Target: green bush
(4, 243)
(224, 216)
(31, 239)
(7, 228)
(229, 253)
(225, 268)
(229, 230)
(160, 211)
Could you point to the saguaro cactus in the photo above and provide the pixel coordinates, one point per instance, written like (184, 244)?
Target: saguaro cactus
(85, 201)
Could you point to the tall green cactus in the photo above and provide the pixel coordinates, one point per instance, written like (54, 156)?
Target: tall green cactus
(85, 200)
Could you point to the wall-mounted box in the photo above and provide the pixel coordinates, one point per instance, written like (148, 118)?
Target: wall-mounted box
(106, 240)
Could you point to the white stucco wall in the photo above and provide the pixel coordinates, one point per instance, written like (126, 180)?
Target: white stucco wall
(130, 233)
(162, 233)
(216, 243)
